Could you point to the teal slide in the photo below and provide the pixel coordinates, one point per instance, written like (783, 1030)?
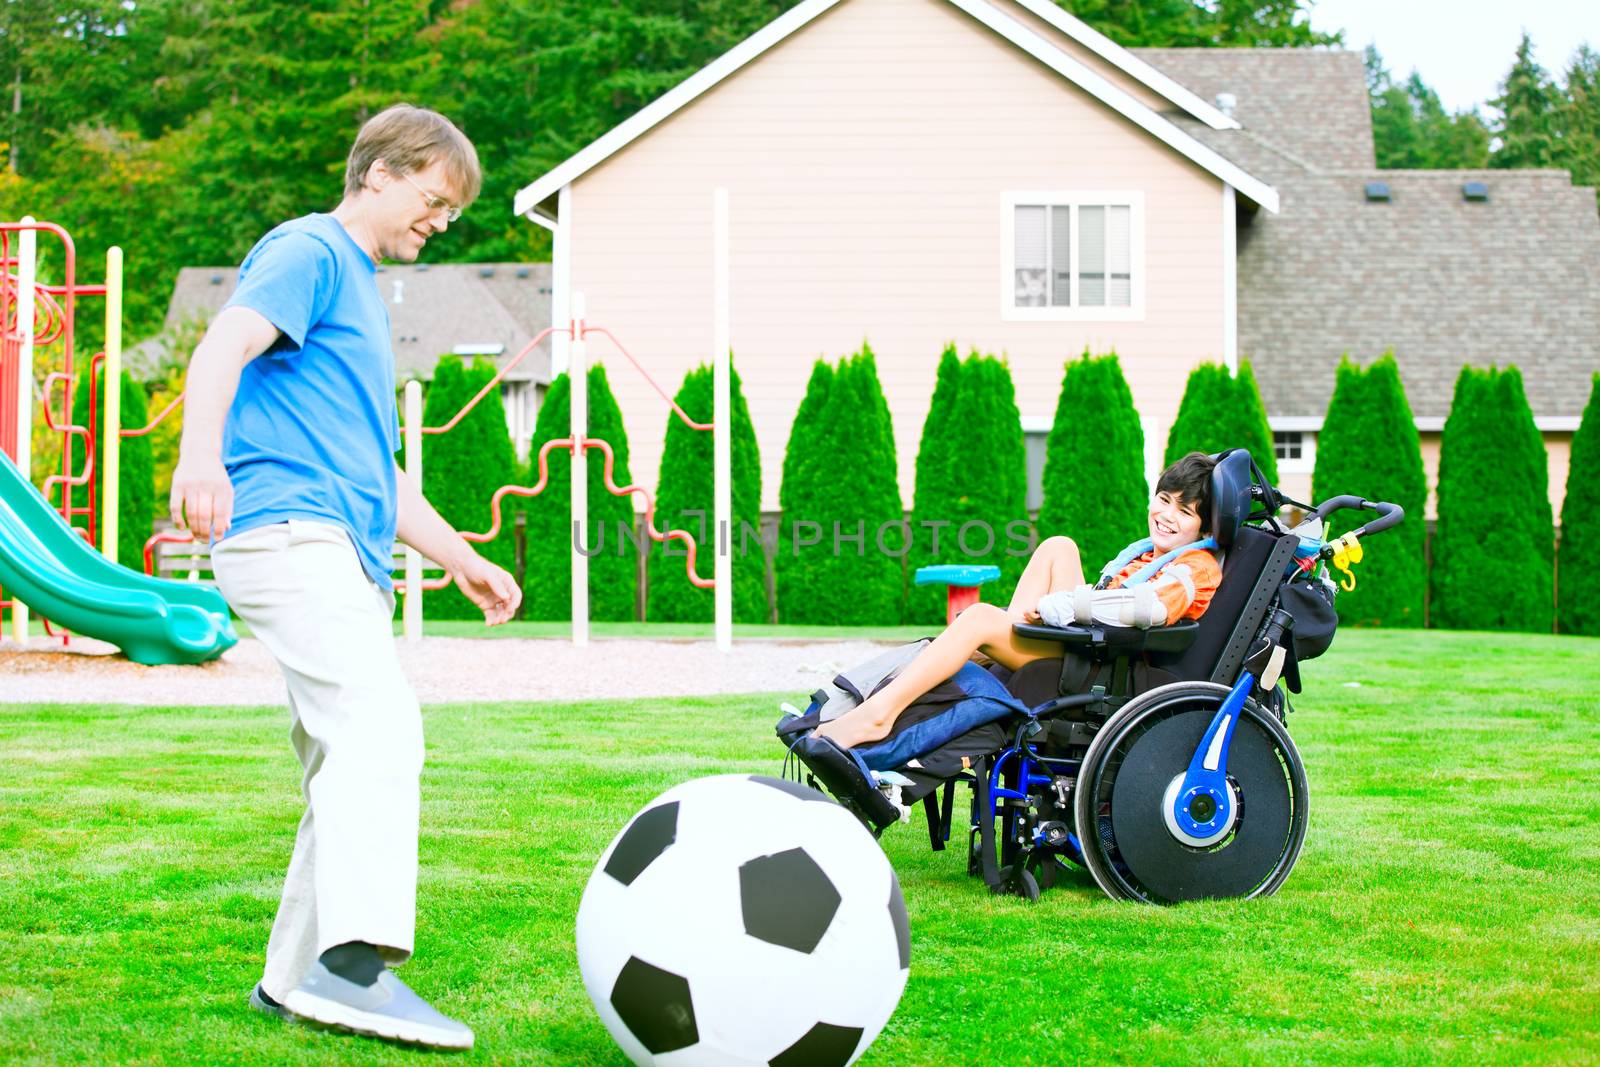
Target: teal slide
(52, 569)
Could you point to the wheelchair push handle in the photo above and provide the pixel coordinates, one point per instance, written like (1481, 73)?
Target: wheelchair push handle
(1389, 515)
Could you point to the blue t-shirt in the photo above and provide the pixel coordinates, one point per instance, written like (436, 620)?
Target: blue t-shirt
(313, 429)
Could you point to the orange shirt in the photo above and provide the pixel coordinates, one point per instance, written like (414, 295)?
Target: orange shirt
(1185, 586)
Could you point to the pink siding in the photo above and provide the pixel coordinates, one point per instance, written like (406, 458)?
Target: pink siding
(866, 157)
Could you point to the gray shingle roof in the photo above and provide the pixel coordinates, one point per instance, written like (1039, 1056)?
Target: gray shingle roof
(1308, 102)
(433, 308)
(1440, 280)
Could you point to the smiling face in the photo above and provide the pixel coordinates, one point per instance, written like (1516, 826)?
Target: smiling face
(398, 215)
(1173, 521)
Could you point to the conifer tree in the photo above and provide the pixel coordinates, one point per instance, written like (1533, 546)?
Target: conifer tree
(1494, 541)
(798, 494)
(1527, 104)
(686, 500)
(1578, 592)
(1220, 410)
(850, 490)
(937, 460)
(136, 467)
(1369, 447)
(462, 469)
(1095, 490)
(548, 541)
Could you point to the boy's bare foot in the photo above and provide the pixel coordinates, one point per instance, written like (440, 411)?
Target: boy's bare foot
(852, 729)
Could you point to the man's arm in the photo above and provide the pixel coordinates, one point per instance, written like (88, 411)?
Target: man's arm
(424, 529)
(200, 486)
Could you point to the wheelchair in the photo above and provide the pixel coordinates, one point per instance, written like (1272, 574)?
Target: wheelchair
(1158, 759)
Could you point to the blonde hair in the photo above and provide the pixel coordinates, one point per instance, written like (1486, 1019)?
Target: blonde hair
(410, 139)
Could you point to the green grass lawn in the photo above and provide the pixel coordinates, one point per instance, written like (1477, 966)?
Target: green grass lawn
(1446, 907)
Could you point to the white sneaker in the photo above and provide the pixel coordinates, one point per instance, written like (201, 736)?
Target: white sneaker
(386, 1009)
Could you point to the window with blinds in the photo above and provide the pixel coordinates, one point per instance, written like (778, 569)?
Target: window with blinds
(1072, 252)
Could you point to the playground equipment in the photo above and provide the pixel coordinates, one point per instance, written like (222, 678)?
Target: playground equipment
(578, 443)
(45, 563)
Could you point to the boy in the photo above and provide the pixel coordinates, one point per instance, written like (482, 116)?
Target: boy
(287, 465)
(1052, 590)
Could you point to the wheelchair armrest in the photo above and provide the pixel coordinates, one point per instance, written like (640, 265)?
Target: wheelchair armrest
(1175, 638)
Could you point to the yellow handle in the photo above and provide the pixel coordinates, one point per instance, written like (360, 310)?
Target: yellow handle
(1347, 551)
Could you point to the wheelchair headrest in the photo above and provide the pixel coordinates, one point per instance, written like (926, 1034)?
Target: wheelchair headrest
(1230, 495)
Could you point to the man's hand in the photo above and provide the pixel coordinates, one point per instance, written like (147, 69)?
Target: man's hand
(202, 492)
(489, 587)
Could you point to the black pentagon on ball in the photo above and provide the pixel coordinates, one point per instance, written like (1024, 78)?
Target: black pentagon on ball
(787, 899)
(902, 924)
(824, 1045)
(655, 1006)
(794, 789)
(645, 838)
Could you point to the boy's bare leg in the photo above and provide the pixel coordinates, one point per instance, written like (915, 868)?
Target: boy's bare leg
(1055, 565)
(982, 628)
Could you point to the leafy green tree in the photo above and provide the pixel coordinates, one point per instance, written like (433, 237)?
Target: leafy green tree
(1192, 23)
(1577, 120)
(975, 487)
(849, 490)
(804, 465)
(936, 480)
(1578, 591)
(1219, 411)
(1411, 128)
(462, 469)
(1494, 542)
(548, 536)
(1527, 105)
(136, 469)
(1094, 482)
(1369, 447)
(686, 500)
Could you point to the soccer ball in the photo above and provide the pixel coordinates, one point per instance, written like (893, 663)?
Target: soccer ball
(743, 919)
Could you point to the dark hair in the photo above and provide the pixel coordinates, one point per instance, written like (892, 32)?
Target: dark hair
(1189, 480)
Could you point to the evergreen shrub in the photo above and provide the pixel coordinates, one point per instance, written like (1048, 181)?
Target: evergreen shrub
(462, 469)
(686, 500)
(548, 539)
(1578, 591)
(849, 489)
(136, 467)
(797, 492)
(1095, 490)
(1220, 410)
(971, 469)
(1493, 546)
(1369, 447)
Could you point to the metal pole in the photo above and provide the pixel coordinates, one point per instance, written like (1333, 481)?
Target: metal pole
(27, 269)
(411, 610)
(722, 420)
(111, 434)
(578, 379)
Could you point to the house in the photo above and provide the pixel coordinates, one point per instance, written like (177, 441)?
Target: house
(997, 174)
(489, 310)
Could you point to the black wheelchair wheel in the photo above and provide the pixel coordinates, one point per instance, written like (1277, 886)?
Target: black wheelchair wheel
(1127, 770)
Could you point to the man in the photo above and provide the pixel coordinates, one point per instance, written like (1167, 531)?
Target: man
(287, 467)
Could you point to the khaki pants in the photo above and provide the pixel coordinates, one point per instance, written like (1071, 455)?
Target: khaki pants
(357, 729)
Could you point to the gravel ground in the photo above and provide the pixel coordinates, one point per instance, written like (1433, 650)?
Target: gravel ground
(441, 670)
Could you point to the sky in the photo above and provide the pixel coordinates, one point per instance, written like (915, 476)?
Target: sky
(1462, 48)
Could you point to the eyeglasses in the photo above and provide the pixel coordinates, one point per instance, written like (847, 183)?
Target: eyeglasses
(435, 204)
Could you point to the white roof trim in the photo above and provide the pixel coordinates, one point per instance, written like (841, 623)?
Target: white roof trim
(1129, 64)
(641, 121)
(1030, 42)
(1121, 102)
